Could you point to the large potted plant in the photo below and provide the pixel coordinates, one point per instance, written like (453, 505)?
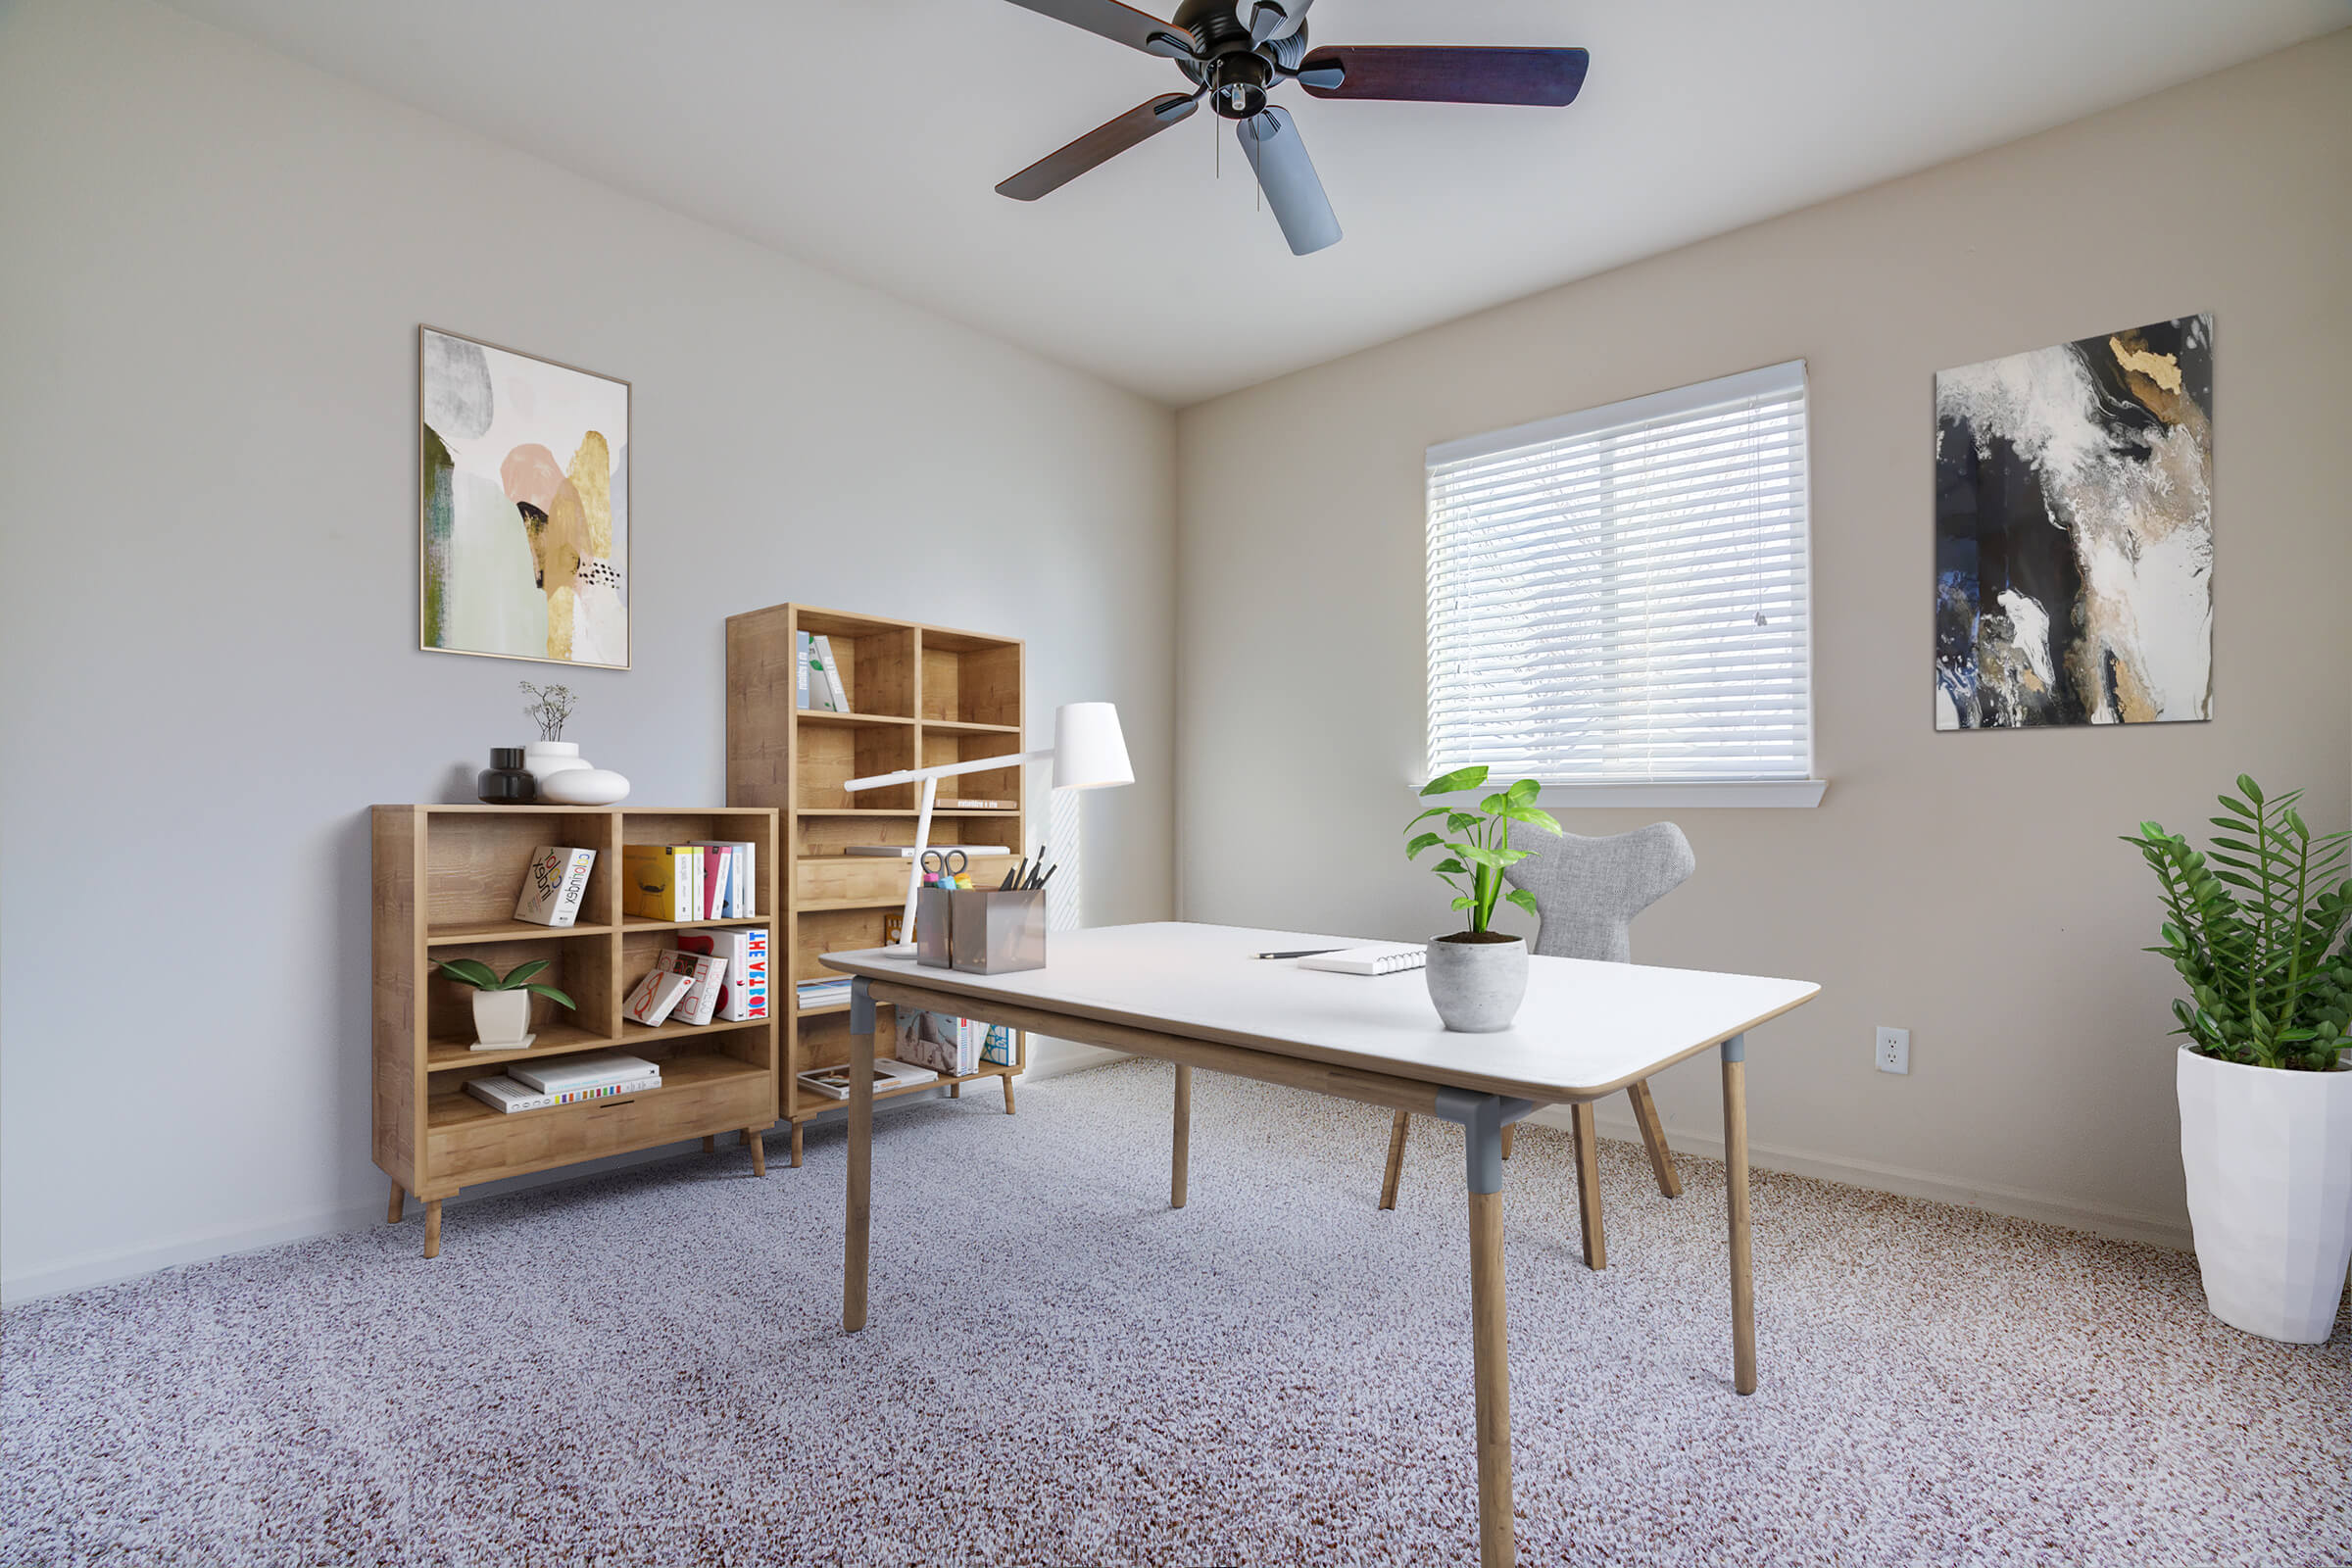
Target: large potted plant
(2257, 932)
(1477, 976)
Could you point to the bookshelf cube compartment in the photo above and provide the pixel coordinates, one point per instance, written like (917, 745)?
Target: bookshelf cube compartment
(822, 931)
(579, 966)
(830, 754)
(476, 860)
(970, 680)
(876, 662)
(996, 784)
(693, 827)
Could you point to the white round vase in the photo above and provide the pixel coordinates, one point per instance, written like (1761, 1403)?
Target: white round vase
(2268, 1154)
(1477, 986)
(584, 786)
(541, 759)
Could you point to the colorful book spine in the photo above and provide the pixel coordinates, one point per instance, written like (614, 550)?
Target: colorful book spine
(650, 878)
(703, 974)
(627, 1086)
(743, 993)
(717, 860)
(553, 886)
(997, 1050)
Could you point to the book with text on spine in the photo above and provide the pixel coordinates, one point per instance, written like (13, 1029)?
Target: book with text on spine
(590, 1070)
(553, 886)
(656, 994)
(743, 990)
(702, 975)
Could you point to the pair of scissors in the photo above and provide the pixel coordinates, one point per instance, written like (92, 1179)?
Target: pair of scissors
(946, 871)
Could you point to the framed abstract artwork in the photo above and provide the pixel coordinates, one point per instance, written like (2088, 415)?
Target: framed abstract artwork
(522, 506)
(2074, 533)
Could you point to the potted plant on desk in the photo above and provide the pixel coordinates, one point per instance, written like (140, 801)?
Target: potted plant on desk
(1478, 976)
(2265, 1080)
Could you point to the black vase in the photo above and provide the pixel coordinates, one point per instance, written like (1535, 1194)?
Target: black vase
(504, 782)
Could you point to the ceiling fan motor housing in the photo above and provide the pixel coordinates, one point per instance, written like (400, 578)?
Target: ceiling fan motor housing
(1235, 69)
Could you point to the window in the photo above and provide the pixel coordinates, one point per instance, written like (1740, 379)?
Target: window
(1618, 597)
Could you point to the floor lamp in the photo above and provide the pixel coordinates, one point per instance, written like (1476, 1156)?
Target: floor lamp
(1088, 752)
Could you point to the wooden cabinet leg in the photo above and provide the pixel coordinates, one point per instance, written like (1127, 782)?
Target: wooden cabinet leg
(1735, 1179)
(709, 1143)
(1388, 1180)
(399, 1197)
(1509, 1136)
(1588, 1185)
(861, 1157)
(796, 1146)
(751, 1141)
(1007, 1094)
(1653, 1138)
(432, 1227)
(1492, 1382)
(1180, 1147)
(955, 1090)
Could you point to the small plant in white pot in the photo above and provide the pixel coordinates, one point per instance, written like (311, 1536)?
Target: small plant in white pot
(2257, 931)
(1478, 976)
(502, 1004)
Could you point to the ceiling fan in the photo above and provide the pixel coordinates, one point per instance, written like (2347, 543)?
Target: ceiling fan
(1234, 52)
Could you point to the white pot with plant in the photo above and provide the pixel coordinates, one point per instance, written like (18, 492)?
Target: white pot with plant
(502, 1004)
(1477, 976)
(2257, 931)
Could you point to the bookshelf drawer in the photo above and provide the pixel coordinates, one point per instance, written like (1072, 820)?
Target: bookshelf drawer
(480, 1149)
(868, 877)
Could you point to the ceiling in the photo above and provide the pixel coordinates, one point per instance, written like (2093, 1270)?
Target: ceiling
(865, 136)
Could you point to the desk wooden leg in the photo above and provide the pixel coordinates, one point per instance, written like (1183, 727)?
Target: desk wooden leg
(758, 1147)
(1735, 1160)
(1179, 1150)
(1510, 1135)
(1653, 1138)
(1491, 1378)
(861, 1157)
(392, 1214)
(1388, 1182)
(432, 1227)
(1588, 1185)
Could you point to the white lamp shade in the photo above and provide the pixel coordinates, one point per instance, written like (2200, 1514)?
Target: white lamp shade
(1090, 753)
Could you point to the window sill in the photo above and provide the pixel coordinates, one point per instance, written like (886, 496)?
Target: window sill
(1792, 792)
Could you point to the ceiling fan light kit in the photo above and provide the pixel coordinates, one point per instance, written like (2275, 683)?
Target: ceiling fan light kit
(1235, 54)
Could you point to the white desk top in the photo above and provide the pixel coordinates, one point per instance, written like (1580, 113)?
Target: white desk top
(1585, 1030)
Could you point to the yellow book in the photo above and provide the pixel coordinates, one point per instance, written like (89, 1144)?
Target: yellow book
(650, 881)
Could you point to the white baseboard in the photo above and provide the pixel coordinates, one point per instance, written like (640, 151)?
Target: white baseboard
(1048, 1059)
(2116, 1224)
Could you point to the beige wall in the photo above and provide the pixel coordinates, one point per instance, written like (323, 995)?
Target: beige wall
(213, 262)
(1969, 886)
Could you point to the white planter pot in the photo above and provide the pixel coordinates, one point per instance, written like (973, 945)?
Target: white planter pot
(2268, 1159)
(541, 759)
(1477, 986)
(502, 1019)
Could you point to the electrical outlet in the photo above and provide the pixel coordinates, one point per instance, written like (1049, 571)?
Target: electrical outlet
(1894, 1049)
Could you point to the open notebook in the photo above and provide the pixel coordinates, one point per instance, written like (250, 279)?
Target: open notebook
(1386, 958)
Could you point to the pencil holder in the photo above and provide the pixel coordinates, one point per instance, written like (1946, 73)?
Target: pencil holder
(981, 932)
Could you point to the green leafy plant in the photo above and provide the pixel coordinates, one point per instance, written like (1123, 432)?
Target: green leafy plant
(1477, 842)
(479, 975)
(2264, 988)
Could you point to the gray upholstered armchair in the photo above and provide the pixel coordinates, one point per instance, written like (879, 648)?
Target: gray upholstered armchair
(1587, 892)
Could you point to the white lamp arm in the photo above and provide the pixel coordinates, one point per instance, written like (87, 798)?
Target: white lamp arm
(915, 776)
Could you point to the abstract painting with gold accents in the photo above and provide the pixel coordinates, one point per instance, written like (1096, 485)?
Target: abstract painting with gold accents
(2073, 532)
(523, 526)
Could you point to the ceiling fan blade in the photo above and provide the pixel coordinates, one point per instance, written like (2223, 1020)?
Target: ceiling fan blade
(1117, 22)
(1443, 75)
(1288, 176)
(1098, 146)
(1270, 19)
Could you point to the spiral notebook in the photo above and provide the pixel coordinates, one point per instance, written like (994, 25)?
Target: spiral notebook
(1382, 958)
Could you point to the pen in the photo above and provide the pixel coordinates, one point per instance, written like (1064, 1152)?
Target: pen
(1049, 876)
(1304, 953)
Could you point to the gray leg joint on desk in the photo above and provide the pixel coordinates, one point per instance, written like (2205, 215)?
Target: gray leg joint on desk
(1483, 1118)
(1735, 1049)
(861, 1006)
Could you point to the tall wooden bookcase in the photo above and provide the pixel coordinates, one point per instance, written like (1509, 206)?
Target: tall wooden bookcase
(446, 881)
(919, 696)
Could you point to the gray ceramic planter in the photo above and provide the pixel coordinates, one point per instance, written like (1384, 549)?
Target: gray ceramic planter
(1477, 986)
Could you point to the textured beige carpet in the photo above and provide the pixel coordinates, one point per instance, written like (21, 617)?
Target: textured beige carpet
(647, 1368)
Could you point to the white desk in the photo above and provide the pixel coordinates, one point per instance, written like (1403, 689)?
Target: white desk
(1192, 995)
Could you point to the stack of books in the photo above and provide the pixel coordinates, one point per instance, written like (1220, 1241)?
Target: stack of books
(825, 993)
(834, 1081)
(711, 879)
(566, 1081)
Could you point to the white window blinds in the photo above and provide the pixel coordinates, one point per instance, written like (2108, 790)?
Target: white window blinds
(1619, 596)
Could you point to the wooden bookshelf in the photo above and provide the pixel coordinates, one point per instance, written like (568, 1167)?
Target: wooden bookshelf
(446, 880)
(920, 696)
